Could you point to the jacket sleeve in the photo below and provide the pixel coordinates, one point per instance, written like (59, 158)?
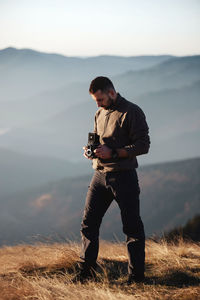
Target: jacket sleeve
(138, 132)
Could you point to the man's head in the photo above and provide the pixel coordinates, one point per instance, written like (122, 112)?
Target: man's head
(103, 92)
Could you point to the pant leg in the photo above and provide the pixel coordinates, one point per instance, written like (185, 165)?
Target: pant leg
(98, 200)
(126, 190)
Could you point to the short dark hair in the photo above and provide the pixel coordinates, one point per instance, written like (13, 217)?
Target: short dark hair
(100, 83)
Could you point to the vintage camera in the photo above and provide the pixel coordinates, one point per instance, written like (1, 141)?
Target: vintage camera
(93, 143)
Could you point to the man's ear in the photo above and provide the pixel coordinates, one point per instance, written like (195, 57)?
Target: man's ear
(112, 93)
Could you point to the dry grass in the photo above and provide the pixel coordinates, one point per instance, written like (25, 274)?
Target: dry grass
(46, 271)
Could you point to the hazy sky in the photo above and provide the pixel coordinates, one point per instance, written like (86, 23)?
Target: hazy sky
(90, 27)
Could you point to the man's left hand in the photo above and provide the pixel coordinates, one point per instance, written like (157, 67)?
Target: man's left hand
(103, 152)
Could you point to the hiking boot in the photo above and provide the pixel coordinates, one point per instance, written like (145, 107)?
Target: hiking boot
(135, 279)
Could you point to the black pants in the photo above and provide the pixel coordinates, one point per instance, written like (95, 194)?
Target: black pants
(124, 188)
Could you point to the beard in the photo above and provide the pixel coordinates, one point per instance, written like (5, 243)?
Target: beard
(109, 104)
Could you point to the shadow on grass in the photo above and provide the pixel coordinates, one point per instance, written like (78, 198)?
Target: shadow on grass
(115, 270)
(178, 279)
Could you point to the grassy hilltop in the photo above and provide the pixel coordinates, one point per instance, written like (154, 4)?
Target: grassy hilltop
(45, 271)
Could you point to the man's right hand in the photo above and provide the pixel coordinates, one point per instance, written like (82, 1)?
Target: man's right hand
(84, 154)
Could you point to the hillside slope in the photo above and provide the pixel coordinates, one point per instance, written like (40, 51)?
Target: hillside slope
(45, 272)
(22, 171)
(191, 230)
(170, 195)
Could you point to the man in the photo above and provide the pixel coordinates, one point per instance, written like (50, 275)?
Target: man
(123, 134)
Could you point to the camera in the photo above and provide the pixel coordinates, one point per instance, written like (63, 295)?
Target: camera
(93, 143)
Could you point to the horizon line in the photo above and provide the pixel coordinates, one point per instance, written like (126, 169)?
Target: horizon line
(97, 55)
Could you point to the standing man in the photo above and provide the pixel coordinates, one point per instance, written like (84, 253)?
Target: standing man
(123, 134)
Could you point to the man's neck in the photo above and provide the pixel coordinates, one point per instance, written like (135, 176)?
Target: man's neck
(115, 97)
(114, 100)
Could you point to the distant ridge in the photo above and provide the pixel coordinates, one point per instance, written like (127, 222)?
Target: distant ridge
(27, 51)
(12, 50)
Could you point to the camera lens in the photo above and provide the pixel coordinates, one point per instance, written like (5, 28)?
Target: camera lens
(89, 152)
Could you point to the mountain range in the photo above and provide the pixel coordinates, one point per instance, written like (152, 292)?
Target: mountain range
(48, 110)
(30, 72)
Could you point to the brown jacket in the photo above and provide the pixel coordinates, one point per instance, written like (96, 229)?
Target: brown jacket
(123, 125)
